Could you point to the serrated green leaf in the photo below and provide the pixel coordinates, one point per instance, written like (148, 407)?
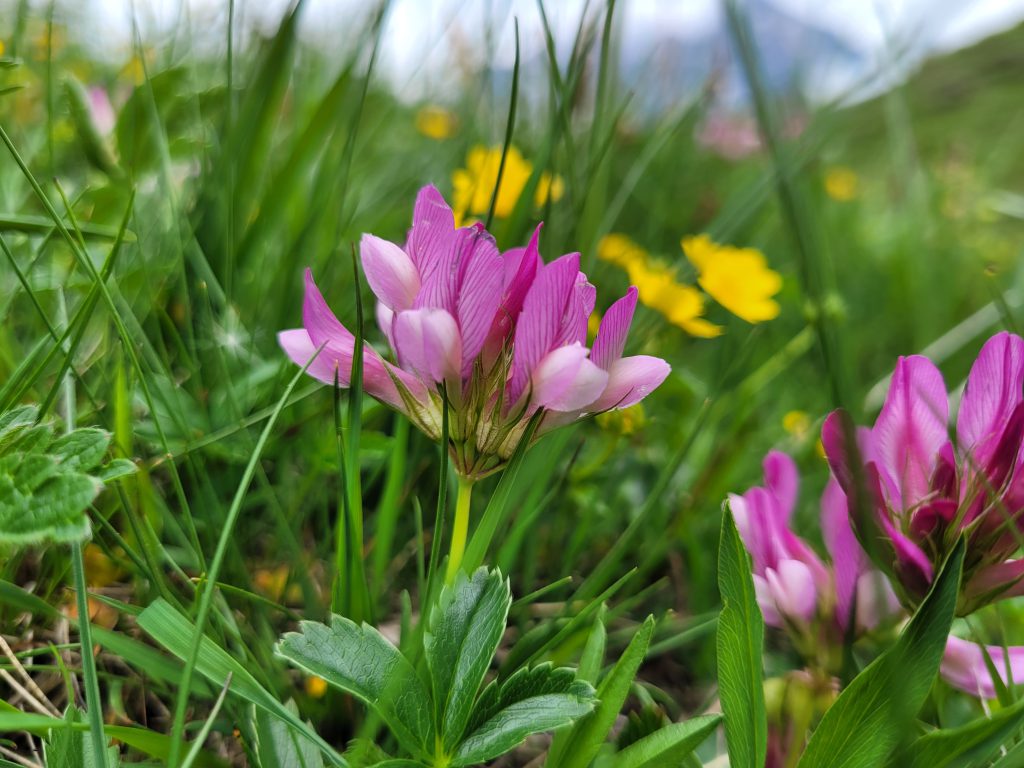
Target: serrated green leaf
(740, 647)
(668, 745)
(359, 660)
(875, 710)
(38, 504)
(465, 629)
(963, 747)
(279, 745)
(82, 449)
(589, 734)
(530, 701)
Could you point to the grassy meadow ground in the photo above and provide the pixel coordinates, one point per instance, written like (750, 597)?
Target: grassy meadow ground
(188, 215)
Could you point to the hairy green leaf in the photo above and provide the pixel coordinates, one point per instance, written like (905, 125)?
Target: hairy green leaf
(359, 660)
(464, 631)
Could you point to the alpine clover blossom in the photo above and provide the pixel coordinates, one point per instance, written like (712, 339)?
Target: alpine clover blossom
(820, 605)
(913, 492)
(500, 336)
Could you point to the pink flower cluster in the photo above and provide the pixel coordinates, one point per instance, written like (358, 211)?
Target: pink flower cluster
(497, 336)
(817, 603)
(916, 492)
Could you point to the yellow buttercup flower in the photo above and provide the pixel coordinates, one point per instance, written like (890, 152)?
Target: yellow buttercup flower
(624, 422)
(436, 122)
(682, 305)
(737, 278)
(473, 186)
(841, 183)
(796, 423)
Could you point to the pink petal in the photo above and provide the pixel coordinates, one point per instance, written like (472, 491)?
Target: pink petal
(611, 336)
(433, 225)
(630, 380)
(782, 479)
(318, 318)
(912, 564)
(427, 343)
(1005, 579)
(995, 387)
(849, 560)
(963, 666)
(479, 296)
(390, 272)
(336, 356)
(541, 318)
(577, 313)
(386, 322)
(793, 588)
(911, 428)
(565, 380)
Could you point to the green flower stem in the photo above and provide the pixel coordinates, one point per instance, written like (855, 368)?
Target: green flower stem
(460, 529)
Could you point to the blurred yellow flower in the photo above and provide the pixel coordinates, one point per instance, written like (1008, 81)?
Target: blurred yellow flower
(593, 324)
(737, 278)
(841, 183)
(797, 423)
(473, 186)
(436, 122)
(100, 570)
(2, 48)
(625, 422)
(316, 686)
(682, 305)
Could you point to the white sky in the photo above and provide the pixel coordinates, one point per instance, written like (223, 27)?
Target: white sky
(421, 34)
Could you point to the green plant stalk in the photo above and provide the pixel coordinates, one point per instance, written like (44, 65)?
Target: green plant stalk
(460, 529)
(92, 687)
(90, 680)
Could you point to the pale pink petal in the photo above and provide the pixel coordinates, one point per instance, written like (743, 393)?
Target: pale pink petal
(541, 319)
(630, 380)
(911, 428)
(333, 359)
(390, 272)
(849, 560)
(876, 601)
(995, 387)
(793, 588)
(427, 343)
(611, 336)
(963, 666)
(766, 602)
(386, 322)
(565, 380)
(433, 226)
(782, 479)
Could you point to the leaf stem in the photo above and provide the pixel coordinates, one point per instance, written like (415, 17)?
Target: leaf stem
(92, 688)
(460, 529)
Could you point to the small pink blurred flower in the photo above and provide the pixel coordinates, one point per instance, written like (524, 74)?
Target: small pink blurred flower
(101, 110)
(500, 336)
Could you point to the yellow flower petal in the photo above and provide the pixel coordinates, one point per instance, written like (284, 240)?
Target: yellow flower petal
(316, 687)
(436, 122)
(474, 185)
(841, 184)
(737, 278)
